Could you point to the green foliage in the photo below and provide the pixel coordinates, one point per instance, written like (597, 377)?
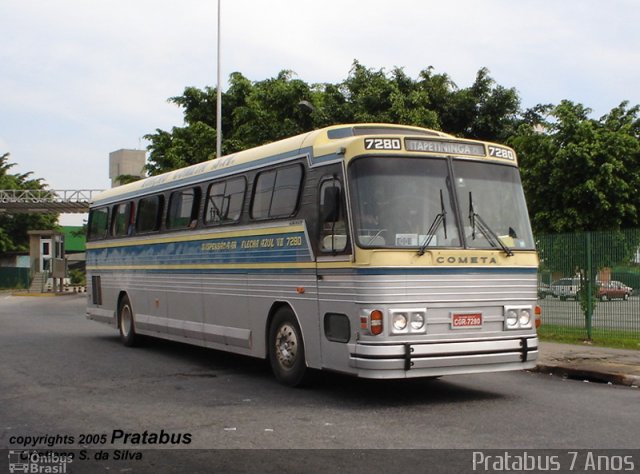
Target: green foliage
(182, 147)
(254, 113)
(580, 173)
(602, 338)
(127, 178)
(568, 253)
(77, 277)
(14, 227)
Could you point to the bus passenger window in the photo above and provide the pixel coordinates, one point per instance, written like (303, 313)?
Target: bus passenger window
(121, 220)
(149, 212)
(98, 222)
(224, 201)
(286, 191)
(215, 200)
(276, 193)
(183, 208)
(333, 228)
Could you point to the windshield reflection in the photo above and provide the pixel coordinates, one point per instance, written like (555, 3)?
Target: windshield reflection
(494, 193)
(400, 202)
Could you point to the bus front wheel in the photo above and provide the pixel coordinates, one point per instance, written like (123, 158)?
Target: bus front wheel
(286, 349)
(126, 324)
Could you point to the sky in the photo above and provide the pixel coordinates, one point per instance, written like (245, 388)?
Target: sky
(80, 79)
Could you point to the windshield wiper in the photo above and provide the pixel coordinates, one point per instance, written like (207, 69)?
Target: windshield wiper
(489, 234)
(441, 218)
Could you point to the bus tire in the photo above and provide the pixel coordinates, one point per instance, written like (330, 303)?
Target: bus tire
(286, 349)
(126, 323)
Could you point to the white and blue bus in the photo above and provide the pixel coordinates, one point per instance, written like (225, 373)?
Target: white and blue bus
(381, 251)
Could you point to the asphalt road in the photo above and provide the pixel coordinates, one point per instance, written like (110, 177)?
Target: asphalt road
(64, 376)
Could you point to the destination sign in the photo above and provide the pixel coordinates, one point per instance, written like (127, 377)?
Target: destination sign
(448, 147)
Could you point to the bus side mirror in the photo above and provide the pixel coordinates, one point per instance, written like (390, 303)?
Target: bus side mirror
(330, 208)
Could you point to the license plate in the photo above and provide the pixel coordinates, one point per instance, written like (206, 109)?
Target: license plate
(466, 320)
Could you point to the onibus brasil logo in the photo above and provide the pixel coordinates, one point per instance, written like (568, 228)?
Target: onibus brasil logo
(35, 462)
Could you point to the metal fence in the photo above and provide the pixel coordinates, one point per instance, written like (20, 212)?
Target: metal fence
(14, 277)
(589, 284)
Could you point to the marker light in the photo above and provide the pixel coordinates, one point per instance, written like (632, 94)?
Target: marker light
(376, 322)
(538, 312)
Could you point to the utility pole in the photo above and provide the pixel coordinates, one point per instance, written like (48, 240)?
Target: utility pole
(219, 98)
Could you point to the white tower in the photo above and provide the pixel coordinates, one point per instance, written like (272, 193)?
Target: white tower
(126, 162)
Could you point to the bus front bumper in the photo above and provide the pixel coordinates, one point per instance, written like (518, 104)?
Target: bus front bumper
(443, 358)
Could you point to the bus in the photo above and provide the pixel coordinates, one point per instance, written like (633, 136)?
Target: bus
(377, 250)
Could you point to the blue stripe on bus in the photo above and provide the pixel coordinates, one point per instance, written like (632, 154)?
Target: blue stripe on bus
(437, 271)
(336, 271)
(217, 271)
(270, 248)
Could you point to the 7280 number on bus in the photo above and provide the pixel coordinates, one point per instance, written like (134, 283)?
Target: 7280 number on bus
(382, 144)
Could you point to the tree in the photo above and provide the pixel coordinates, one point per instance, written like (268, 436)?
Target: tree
(485, 111)
(580, 173)
(14, 227)
(255, 113)
(183, 146)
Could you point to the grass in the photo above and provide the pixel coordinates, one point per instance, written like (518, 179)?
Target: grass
(600, 337)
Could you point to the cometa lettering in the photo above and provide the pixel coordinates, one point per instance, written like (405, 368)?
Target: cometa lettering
(470, 260)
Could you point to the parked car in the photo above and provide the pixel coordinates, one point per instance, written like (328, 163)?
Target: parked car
(609, 290)
(565, 288)
(544, 290)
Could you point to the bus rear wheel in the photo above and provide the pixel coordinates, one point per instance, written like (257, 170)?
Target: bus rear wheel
(126, 323)
(286, 349)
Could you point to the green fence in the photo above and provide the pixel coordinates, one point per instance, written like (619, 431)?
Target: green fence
(589, 285)
(14, 277)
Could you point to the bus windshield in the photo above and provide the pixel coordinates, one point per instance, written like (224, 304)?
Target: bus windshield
(397, 202)
(409, 203)
(491, 194)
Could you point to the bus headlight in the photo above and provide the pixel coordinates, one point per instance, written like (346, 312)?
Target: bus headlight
(511, 319)
(399, 321)
(417, 321)
(518, 317)
(408, 321)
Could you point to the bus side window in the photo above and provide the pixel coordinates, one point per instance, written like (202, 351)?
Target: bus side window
(333, 228)
(277, 192)
(183, 209)
(98, 223)
(149, 214)
(121, 220)
(224, 201)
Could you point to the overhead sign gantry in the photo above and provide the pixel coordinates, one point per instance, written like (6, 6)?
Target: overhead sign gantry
(14, 201)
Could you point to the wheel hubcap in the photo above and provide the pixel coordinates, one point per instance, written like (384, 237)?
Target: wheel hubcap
(286, 346)
(125, 320)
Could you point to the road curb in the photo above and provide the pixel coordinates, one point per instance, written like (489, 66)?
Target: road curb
(42, 295)
(594, 375)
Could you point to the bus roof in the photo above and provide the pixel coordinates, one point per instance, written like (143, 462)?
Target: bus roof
(325, 142)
